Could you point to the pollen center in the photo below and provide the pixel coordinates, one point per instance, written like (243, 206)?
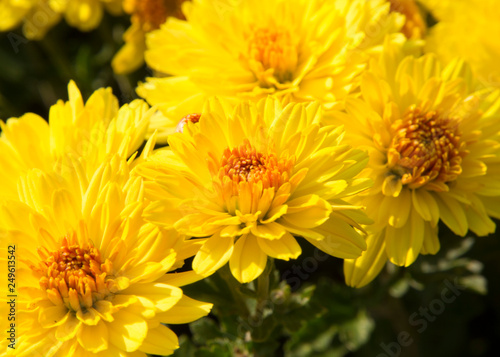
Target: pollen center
(73, 275)
(150, 14)
(246, 164)
(426, 149)
(274, 50)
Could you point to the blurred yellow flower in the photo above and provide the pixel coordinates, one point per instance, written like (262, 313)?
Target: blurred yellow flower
(414, 26)
(38, 16)
(309, 49)
(146, 15)
(91, 131)
(91, 273)
(434, 156)
(467, 29)
(252, 177)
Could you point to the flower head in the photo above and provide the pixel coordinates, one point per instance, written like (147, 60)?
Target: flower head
(244, 181)
(91, 273)
(312, 50)
(146, 16)
(433, 148)
(89, 131)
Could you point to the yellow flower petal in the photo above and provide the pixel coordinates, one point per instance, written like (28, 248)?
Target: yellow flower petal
(131, 55)
(160, 341)
(452, 214)
(425, 204)
(307, 212)
(275, 213)
(284, 248)
(68, 330)
(186, 310)
(404, 244)
(392, 186)
(213, 254)
(128, 331)
(181, 279)
(431, 243)
(396, 209)
(105, 310)
(53, 315)
(94, 338)
(88, 317)
(478, 219)
(361, 271)
(269, 231)
(163, 296)
(340, 239)
(248, 260)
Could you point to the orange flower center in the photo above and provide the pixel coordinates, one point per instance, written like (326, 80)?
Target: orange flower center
(152, 13)
(273, 49)
(246, 164)
(190, 118)
(414, 26)
(426, 149)
(74, 276)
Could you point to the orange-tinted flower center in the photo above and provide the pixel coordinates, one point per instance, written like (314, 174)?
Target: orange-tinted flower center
(152, 13)
(426, 149)
(274, 49)
(246, 164)
(414, 26)
(190, 118)
(74, 276)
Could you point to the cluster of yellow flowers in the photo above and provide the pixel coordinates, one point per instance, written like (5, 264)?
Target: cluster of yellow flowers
(344, 123)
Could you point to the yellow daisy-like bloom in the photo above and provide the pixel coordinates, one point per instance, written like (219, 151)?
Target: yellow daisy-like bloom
(90, 131)
(467, 29)
(250, 178)
(309, 49)
(38, 16)
(91, 273)
(146, 16)
(434, 156)
(414, 26)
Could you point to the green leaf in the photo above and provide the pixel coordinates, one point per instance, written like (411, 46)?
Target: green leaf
(186, 348)
(205, 330)
(357, 332)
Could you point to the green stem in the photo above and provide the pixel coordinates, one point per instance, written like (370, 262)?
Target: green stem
(234, 288)
(263, 288)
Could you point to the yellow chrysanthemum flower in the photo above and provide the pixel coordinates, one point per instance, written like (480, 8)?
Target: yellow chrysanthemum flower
(247, 180)
(434, 156)
(38, 16)
(146, 16)
(90, 131)
(91, 273)
(309, 49)
(467, 29)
